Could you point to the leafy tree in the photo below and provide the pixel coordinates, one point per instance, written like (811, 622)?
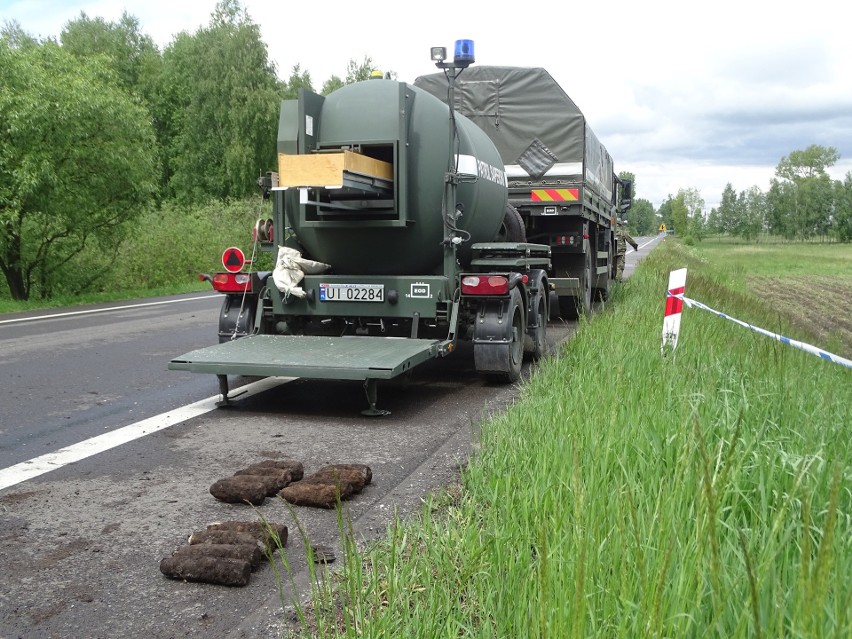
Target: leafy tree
(15, 37)
(843, 209)
(355, 72)
(714, 221)
(643, 220)
(665, 213)
(298, 80)
(692, 200)
(740, 215)
(728, 210)
(801, 196)
(77, 161)
(817, 199)
(751, 206)
(680, 215)
(133, 55)
(811, 162)
(698, 225)
(782, 201)
(693, 204)
(332, 84)
(219, 108)
(358, 72)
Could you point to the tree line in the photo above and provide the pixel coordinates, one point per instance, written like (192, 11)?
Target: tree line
(100, 126)
(803, 203)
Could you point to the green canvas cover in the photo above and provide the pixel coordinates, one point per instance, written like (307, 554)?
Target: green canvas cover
(538, 130)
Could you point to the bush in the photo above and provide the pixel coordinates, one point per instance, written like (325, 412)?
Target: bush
(173, 244)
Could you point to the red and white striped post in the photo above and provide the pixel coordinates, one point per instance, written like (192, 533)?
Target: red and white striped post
(674, 307)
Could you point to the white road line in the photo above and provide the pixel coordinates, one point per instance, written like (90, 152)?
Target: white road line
(19, 473)
(104, 310)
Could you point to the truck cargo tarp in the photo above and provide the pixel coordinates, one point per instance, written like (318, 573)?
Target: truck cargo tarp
(516, 106)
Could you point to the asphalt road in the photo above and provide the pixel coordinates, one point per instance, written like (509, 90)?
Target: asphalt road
(66, 376)
(80, 545)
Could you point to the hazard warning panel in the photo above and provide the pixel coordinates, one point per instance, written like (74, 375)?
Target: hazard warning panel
(555, 195)
(233, 259)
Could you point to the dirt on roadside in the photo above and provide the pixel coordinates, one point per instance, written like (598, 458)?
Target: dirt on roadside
(819, 305)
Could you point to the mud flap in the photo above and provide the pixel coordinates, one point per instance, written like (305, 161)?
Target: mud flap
(498, 337)
(236, 318)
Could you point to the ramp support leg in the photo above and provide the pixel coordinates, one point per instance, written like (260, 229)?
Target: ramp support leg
(370, 388)
(223, 390)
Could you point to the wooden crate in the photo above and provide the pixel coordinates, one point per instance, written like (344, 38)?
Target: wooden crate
(326, 169)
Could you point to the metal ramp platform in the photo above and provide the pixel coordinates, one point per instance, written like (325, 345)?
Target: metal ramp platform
(349, 357)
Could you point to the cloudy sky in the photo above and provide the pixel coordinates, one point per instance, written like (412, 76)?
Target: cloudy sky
(683, 94)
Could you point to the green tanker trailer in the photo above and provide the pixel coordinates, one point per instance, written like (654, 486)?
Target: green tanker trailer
(394, 240)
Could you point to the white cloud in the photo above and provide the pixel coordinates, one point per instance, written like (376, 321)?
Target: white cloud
(684, 96)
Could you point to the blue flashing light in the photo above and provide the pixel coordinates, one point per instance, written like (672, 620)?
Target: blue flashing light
(463, 55)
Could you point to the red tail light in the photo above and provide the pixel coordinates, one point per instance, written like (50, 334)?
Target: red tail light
(232, 282)
(484, 285)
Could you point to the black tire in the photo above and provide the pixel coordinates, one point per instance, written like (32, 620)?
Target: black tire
(536, 344)
(516, 348)
(555, 311)
(512, 229)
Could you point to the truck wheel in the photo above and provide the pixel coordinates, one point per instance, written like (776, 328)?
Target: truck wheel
(555, 311)
(516, 347)
(536, 343)
(512, 229)
(501, 361)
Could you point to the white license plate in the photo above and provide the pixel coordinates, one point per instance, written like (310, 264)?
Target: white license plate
(352, 292)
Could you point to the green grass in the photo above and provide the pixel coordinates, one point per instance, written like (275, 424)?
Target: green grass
(163, 254)
(706, 494)
(807, 285)
(780, 258)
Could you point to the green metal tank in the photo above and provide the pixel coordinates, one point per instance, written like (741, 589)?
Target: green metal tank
(385, 227)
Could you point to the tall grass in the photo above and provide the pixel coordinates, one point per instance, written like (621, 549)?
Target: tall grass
(707, 494)
(174, 244)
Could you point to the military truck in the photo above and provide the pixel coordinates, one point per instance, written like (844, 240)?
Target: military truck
(562, 184)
